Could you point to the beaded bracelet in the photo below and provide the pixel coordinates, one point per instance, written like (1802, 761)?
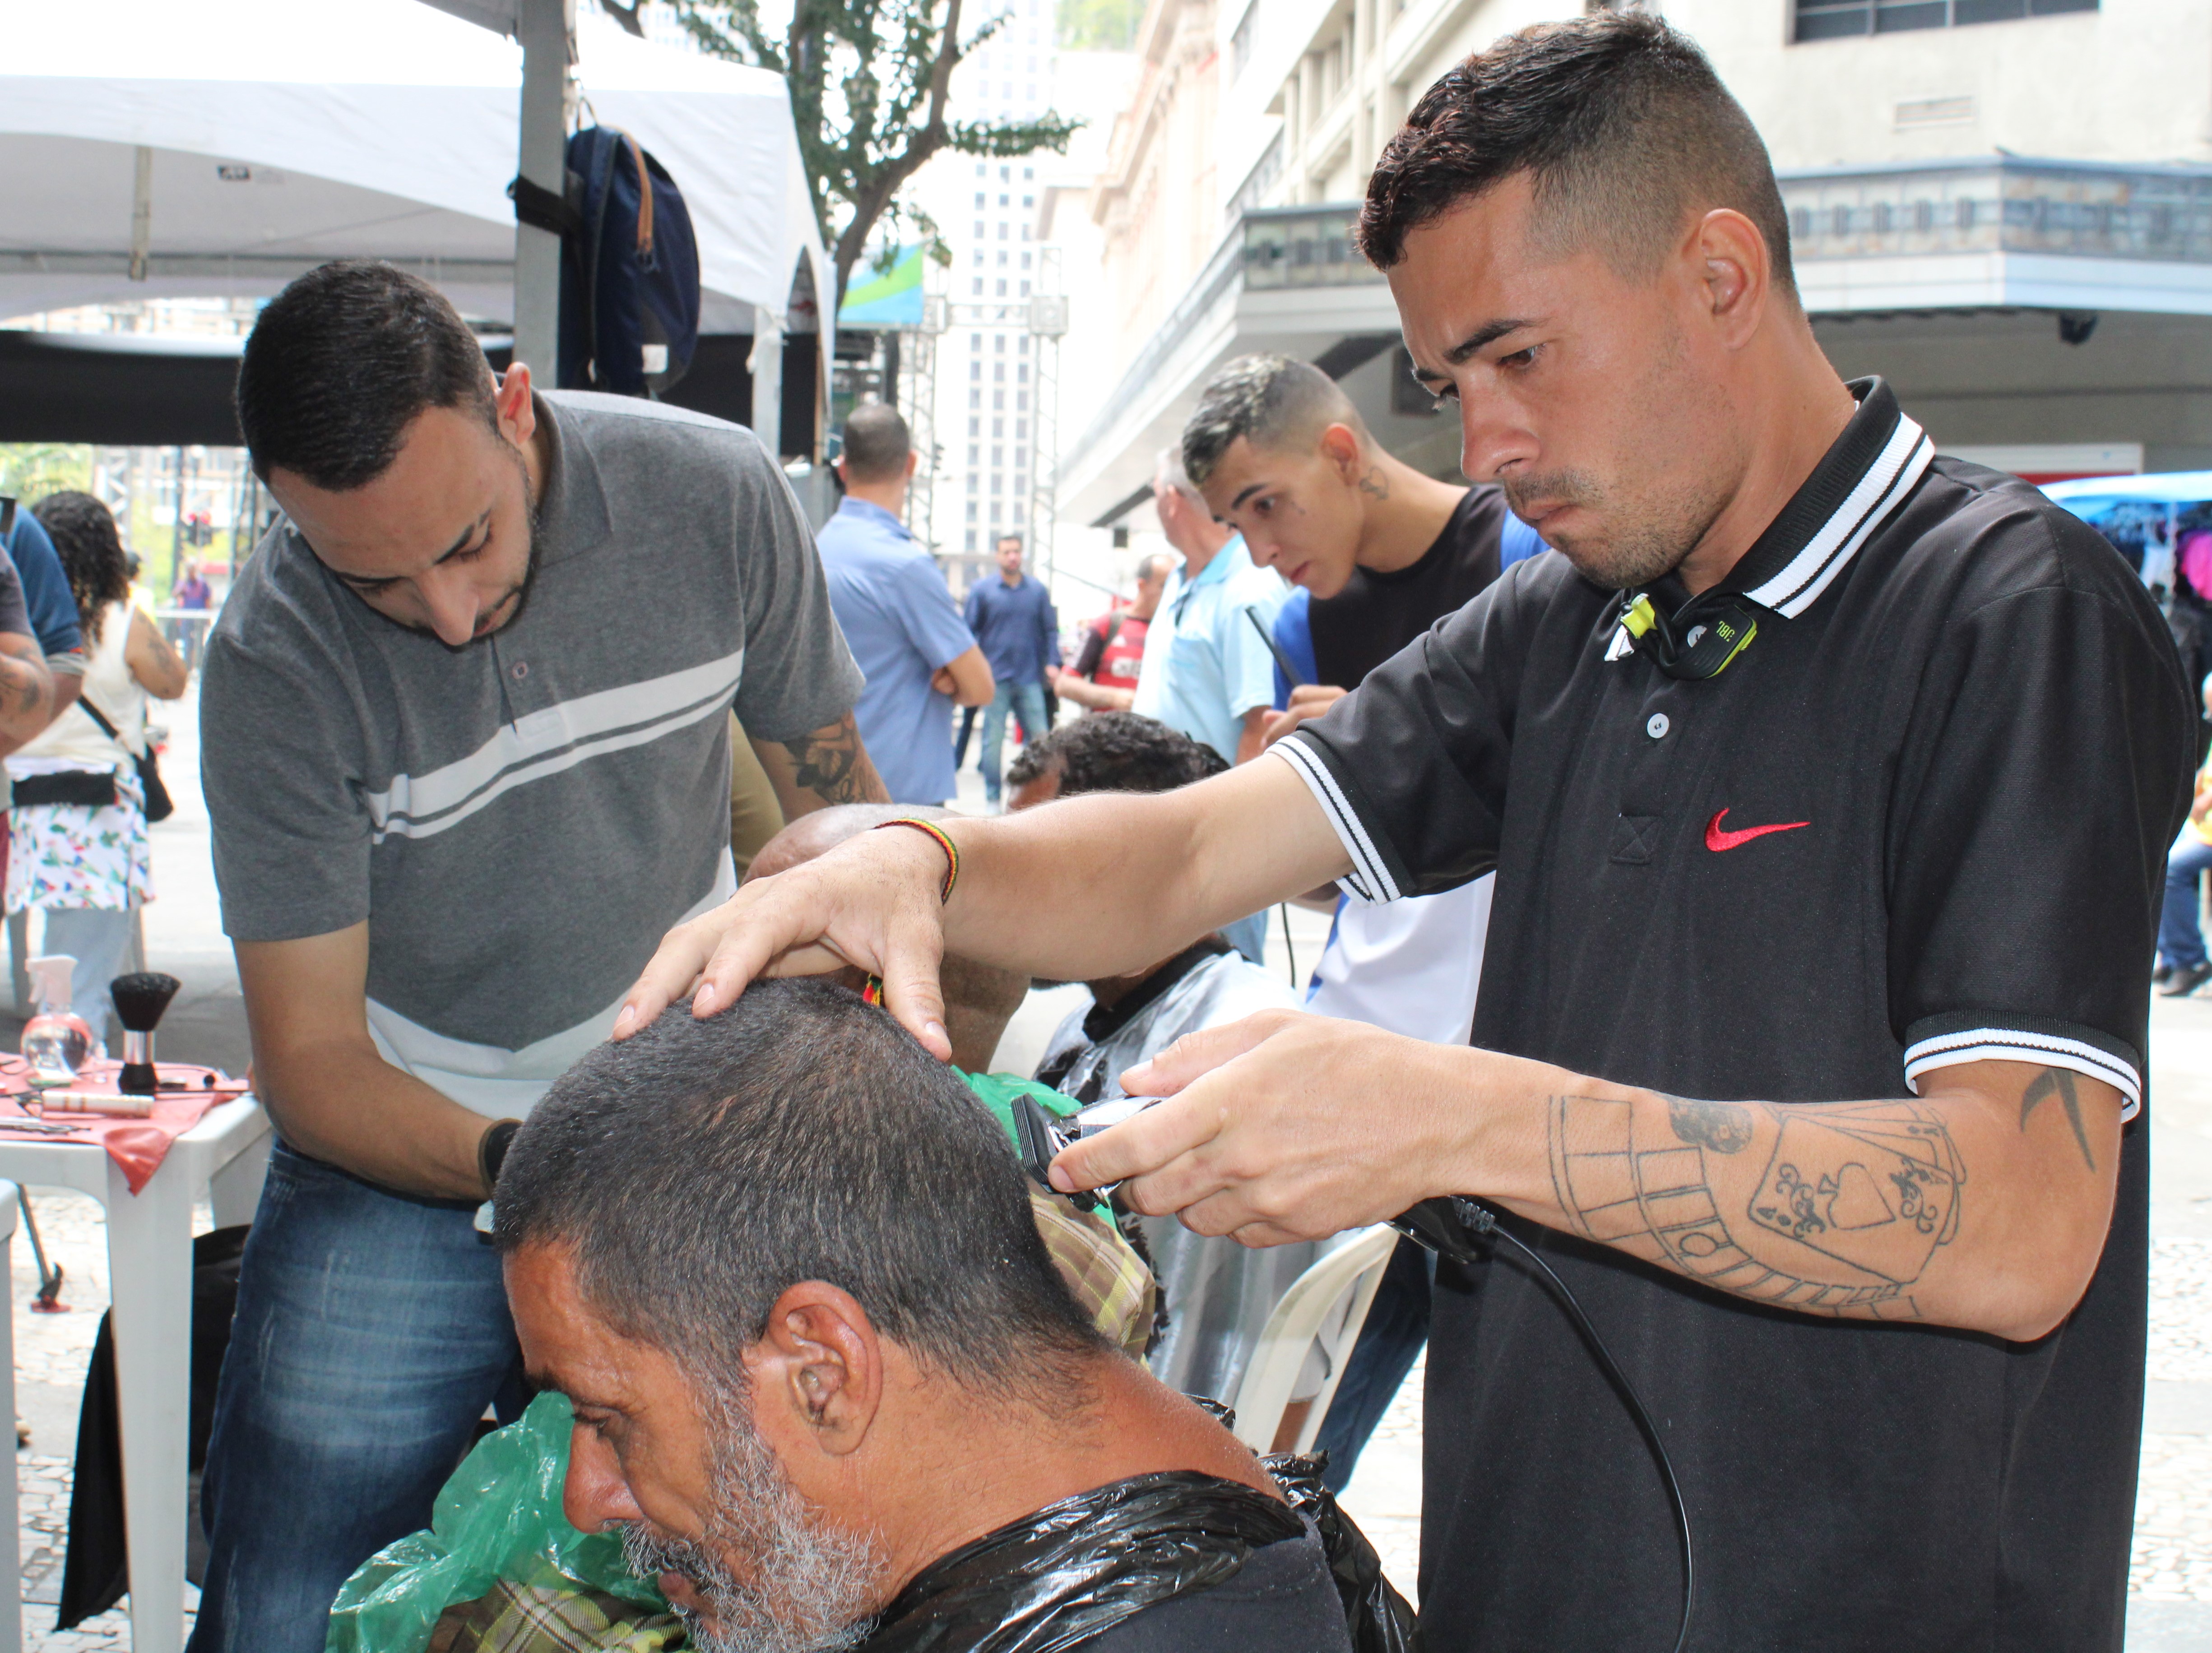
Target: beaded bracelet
(943, 842)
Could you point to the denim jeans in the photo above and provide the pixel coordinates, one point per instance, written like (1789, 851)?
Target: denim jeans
(1397, 1326)
(372, 1332)
(1026, 702)
(2180, 941)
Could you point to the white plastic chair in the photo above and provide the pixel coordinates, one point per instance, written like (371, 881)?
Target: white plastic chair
(1316, 1322)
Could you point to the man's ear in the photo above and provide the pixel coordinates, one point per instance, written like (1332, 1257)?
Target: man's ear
(818, 1371)
(912, 464)
(511, 403)
(1341, 447)
(1735, 271)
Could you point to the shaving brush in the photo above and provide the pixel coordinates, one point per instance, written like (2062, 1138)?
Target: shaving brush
(140, 998)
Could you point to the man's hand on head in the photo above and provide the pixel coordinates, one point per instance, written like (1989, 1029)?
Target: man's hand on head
(875, 901)
(1308, 700)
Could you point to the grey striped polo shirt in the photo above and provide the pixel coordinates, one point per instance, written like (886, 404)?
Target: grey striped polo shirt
(521, 819)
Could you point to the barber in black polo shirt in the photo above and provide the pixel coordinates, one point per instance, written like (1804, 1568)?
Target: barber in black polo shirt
(1828, 785)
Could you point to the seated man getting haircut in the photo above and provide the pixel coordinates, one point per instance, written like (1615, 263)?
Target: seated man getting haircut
(827, 1383)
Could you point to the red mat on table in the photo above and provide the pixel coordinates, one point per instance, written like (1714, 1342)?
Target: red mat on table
(136, 1146)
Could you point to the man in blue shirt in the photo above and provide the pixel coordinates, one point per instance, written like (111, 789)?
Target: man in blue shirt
(898, 618)
(1207, 670)
(1013, 619)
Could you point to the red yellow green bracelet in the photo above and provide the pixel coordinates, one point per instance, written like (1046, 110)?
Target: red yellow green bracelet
(943, 842)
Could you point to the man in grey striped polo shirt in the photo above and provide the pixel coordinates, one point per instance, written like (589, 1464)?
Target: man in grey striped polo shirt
(467, 757)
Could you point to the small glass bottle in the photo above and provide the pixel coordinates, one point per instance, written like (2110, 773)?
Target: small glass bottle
(56, 1041)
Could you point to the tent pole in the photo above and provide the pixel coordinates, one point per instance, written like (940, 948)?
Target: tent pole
(546, 29)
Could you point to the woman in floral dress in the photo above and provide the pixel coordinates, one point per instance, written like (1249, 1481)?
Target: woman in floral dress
(84, 859)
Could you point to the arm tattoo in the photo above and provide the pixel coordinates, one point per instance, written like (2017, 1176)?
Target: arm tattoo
(833, 765)
(1852, 1203)
(2057, 1082)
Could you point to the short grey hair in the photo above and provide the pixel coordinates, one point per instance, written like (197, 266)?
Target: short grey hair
(1155, 565)
(701, 1168)
(1168, 472)
(1271, 401)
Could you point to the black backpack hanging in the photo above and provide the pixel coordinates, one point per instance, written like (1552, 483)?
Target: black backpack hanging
(629, 269)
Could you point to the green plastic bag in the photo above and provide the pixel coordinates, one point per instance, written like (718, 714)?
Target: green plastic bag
(499, 1517)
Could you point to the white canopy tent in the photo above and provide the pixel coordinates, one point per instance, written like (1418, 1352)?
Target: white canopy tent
(220, 147)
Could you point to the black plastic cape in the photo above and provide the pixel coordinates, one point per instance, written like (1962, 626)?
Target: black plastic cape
(1052, 1581)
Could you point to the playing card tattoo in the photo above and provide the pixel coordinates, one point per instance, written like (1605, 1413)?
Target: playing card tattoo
(1854, 1200)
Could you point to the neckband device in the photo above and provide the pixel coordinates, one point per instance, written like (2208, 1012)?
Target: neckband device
(1452, 1228)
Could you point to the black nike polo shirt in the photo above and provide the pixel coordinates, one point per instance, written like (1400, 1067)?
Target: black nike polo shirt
(1920, 819)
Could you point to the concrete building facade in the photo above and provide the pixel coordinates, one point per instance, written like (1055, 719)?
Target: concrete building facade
(2005, 206)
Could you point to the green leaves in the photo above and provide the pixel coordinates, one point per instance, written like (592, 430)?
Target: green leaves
(869, 81)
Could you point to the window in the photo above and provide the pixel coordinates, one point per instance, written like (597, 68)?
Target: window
(999, 372)
(973, 479)
(998, 401)
(973, 451)
(979, 230)
(1029, 201)
(980, 169)
(1003, 227)
(1002, 287)
(971, 510)
(1021, 430)
(1828, 19)
(1002, 201)
(975, 370)
(998, 458)
(998, 428)
(1002, 258)
(979, 201)
(1005, 173)
(971, 532)
(979, 287)
(1028, 173)
(978, 259)
(1026, 289)
(1025, 232)
(1025, 346)
(976, 398)
(1026, 257)
(999, 342)
(974, 341)
(975, 429)
(1022, 373)
(1022, 402)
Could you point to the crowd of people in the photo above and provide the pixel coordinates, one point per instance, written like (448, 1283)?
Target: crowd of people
(1743, 832)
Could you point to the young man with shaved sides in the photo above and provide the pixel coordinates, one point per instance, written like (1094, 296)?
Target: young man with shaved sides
(467, 755)
(1827, 783)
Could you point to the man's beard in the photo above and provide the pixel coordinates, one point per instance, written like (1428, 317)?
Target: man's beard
(814, 1588)
(1648, 539)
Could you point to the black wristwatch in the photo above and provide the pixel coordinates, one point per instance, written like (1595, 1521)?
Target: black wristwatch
(491, 1150)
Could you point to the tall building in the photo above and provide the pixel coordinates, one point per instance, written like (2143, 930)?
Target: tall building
(985, 214)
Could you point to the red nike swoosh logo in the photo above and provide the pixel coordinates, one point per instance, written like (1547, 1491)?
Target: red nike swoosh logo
(1716, 839)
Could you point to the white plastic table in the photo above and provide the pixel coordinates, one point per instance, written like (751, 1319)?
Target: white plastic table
(149, 1270)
